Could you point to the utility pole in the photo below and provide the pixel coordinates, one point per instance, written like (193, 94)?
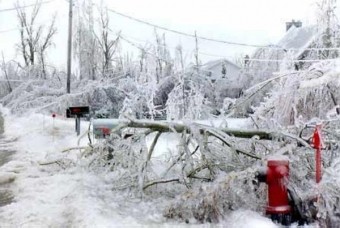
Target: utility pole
(69, 49)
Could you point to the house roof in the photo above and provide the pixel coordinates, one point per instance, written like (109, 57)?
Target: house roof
(298, 39)
(214, 63)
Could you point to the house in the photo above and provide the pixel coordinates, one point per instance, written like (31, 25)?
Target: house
(221, 69)
(297, 42)
(225, 77)
(289, 54)
(295, 45)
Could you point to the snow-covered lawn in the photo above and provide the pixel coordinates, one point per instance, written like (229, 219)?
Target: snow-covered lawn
(69, 194)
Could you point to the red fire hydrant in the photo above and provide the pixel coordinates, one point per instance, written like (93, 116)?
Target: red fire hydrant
(276, 175)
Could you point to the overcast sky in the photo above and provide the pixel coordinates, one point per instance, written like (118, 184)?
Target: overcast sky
(259, 22)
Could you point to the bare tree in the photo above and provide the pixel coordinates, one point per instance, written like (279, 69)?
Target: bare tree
(29, 35)
(33, 42)
(46, 43)
(108, 47)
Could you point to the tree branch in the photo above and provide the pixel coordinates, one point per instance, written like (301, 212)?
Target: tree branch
(160, 182)
(152, 147)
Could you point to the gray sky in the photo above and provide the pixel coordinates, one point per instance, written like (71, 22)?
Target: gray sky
(248, 21)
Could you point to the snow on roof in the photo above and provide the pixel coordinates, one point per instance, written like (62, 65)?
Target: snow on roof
(298, 39)
(213, 63)
(213, 70)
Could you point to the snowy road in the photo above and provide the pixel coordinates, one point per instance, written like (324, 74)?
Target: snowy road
(68, 193)
(6, 195)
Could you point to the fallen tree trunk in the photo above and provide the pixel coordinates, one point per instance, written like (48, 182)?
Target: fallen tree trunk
(179, 127)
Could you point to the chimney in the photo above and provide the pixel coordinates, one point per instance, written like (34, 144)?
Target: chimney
(297, 24)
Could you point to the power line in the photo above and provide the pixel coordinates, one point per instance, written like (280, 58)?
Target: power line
(217, 40)
(226, 57)
(171, 47)
(184, 33)
(26, 6)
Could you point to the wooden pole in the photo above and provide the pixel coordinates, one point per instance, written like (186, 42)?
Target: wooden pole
(69, 49)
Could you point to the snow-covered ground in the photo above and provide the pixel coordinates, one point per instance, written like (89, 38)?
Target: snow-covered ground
(69, 194)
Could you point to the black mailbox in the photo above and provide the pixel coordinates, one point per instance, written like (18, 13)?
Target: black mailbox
(80, 111)
(77, 113)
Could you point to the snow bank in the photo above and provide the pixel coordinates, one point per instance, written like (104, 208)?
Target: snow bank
(1, 123)
(246, 219)
(6, 178)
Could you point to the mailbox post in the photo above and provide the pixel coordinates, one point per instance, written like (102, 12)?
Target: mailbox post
(102, 127)
(77, 113)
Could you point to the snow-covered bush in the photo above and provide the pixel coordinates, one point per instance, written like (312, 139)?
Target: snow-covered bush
(49, 96)
(301, 96)
(212, 202)
(192, 98)
(329, 202)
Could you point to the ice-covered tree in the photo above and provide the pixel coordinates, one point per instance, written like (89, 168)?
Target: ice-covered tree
(328, 26)
(162, 58)
(310, 93)
(85, 43)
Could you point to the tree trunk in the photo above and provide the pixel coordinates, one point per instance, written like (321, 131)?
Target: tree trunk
(178, 127)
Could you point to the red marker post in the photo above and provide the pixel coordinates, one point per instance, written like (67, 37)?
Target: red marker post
(317, 144)
(53, 116)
